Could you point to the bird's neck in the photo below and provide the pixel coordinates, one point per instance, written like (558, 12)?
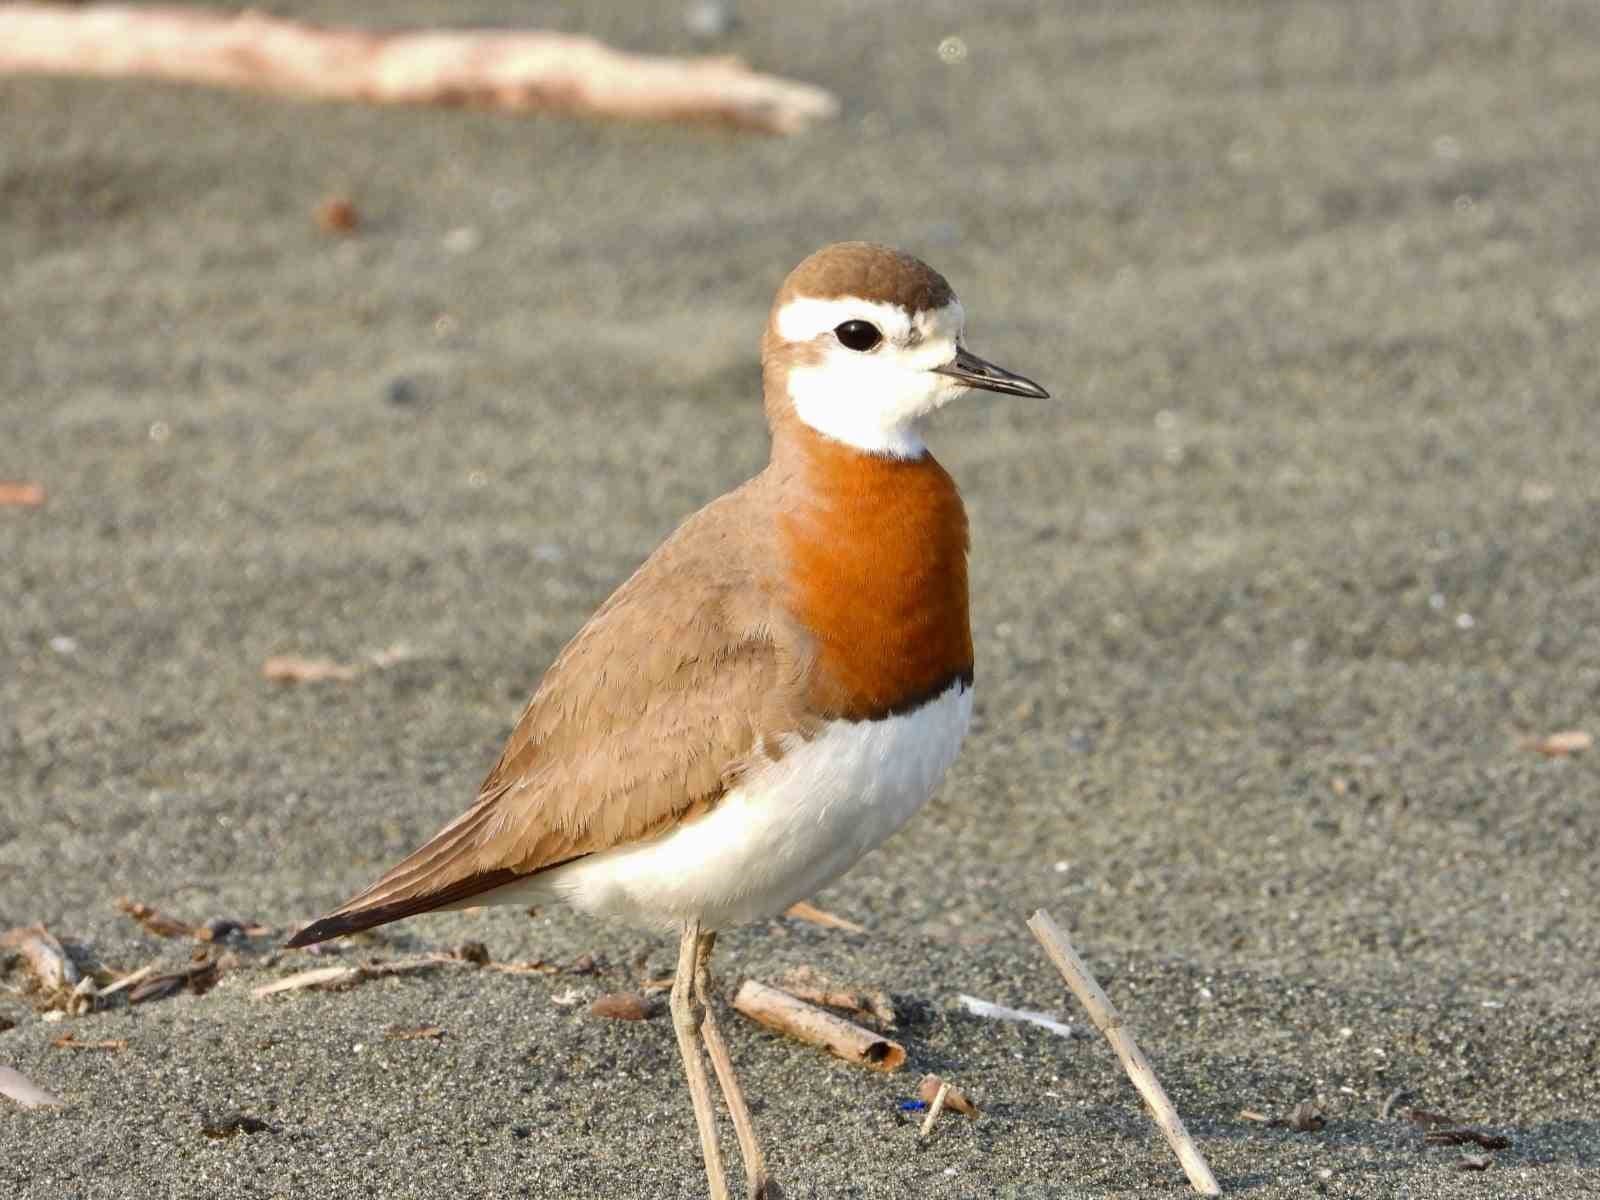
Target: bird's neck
(875, 559)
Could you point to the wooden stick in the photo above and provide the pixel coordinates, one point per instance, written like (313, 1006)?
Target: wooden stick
(801, 910)
(694, 1067)
(934, 1109)
(811, 1025)
(510, 71)
(1109, 1022)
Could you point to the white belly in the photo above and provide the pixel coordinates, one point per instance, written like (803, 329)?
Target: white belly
(788, 829)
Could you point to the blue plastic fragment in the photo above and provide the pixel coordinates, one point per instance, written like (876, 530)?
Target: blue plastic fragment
(913, 1105)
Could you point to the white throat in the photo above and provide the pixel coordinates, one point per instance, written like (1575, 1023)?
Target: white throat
(879, 400)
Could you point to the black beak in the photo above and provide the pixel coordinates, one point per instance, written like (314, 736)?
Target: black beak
(974, 372)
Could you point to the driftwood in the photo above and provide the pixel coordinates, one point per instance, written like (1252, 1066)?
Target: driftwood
(805, 1022)
(1109, 1022)
(526, 71)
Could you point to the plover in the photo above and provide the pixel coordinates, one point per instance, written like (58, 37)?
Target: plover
(779, 687)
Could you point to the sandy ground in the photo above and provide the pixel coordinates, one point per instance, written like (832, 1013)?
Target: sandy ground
(1266, 600)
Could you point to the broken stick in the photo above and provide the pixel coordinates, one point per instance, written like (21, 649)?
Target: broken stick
(1109, 1022)
(806, 1023)
(497, 69)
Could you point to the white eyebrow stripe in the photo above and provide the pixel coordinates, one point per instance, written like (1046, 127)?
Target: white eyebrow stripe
(805, 317)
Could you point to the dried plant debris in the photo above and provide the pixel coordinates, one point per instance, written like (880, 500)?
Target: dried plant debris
(1560, 745)
(812, 986)
(1305, 1117)
(801, 911)
(71, 1041)
(232, 1125)
(130, 980)
(1431, 1120)
(199, 979)
(536, 966)
(21, 495)
(419, 1033)
(214, 930)
(817, 1027)
(1467, 1137)
(18, 1087)
(954, 1098)
(337, 978)
(52, 969)
(622, 1006)
(293, 668)
(156, 921)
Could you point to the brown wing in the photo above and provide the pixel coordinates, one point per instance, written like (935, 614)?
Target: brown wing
(656, 706)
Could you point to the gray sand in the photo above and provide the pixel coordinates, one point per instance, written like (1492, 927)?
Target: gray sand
(1265, 600)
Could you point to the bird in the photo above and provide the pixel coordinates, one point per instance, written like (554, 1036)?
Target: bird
(779, 687)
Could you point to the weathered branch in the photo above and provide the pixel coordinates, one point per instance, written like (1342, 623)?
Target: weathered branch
(511, 71)
(1109, 1022)
(804, 1022)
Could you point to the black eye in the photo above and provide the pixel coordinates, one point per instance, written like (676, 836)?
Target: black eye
(858, 335)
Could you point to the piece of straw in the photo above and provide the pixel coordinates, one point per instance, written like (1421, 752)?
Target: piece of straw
(809, 1024)
(1109, 1022)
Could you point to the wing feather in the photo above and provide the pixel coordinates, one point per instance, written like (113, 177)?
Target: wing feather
(686, 675)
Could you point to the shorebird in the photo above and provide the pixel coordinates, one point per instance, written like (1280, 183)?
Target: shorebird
(779, 687)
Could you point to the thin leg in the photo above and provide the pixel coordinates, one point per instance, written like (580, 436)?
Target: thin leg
(757, 1185)
(683, 1024)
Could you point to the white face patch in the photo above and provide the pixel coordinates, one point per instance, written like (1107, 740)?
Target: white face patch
(874, 400)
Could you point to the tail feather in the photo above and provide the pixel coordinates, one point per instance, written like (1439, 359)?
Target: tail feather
(358, 915)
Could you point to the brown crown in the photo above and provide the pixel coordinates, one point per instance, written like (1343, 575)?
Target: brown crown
(869, 271)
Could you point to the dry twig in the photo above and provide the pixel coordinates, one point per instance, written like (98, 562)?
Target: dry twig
(810, 985)
(800, 910)
(929, 1087)
(1560, 745)
(69, 1041)
(1467, 1137)
(336, 978)
(806, 1023)
(21, 495)
(398, 1033)
(935, 1107)
(1109, 1022)
(510, 71)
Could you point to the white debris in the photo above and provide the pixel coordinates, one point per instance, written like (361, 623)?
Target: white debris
(1026, 1016)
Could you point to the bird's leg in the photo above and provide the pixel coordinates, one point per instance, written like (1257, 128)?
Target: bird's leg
(757, 1185)
(684, 1025)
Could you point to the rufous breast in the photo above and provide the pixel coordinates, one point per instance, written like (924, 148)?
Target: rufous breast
(875, 554)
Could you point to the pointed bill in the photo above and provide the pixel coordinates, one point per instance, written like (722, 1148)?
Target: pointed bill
(977, 373)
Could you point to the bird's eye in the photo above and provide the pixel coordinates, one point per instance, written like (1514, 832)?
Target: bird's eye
(858, 335)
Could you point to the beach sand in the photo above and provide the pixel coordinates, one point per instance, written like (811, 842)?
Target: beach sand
(1267, 600)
